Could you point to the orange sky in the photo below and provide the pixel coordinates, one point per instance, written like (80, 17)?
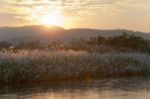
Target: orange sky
(100, 14)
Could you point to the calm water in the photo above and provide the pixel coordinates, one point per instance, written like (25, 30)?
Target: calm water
(118, 88)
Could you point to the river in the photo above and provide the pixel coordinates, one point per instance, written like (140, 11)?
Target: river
(109, 88)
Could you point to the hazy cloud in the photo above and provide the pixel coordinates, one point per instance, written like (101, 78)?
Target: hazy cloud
(137, 10)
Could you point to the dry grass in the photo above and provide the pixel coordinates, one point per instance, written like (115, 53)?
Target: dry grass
(44, 65)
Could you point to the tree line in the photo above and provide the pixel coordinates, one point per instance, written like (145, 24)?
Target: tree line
(123, 41)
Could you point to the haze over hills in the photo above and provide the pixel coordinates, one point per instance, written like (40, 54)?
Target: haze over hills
(54, 33)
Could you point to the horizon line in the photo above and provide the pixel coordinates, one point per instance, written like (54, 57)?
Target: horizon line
(20, 26)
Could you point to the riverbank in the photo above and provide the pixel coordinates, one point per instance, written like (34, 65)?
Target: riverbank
(45, 65)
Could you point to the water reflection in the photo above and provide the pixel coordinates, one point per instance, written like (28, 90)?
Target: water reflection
(117, 88)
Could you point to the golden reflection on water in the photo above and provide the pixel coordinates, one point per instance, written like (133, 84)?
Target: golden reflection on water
(125, 88)
(89, 94)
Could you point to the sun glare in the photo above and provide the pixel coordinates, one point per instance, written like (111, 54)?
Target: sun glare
(51, 20)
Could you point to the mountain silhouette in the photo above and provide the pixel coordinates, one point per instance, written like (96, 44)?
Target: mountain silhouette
(55, 33)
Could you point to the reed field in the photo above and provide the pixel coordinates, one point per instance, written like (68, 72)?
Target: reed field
(46, 65)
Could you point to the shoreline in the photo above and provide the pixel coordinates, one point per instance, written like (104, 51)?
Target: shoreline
(75, 79)
(37, 65)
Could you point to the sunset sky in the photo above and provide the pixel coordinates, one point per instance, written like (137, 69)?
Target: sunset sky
(99, 14)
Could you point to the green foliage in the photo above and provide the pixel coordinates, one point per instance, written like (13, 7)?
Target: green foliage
(29, 45)
(124, 42)
(129, 41)
(96, 41)
(136, 43)
(4, 45)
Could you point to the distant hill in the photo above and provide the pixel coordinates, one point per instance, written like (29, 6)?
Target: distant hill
(32, 30)
(54, 33)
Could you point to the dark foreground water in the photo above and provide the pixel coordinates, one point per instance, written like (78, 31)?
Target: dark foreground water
(117, 88)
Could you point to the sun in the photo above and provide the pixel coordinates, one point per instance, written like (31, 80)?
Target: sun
(46, 16)
(49, 20)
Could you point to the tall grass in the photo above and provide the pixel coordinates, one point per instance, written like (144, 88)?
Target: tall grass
(45, 65)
